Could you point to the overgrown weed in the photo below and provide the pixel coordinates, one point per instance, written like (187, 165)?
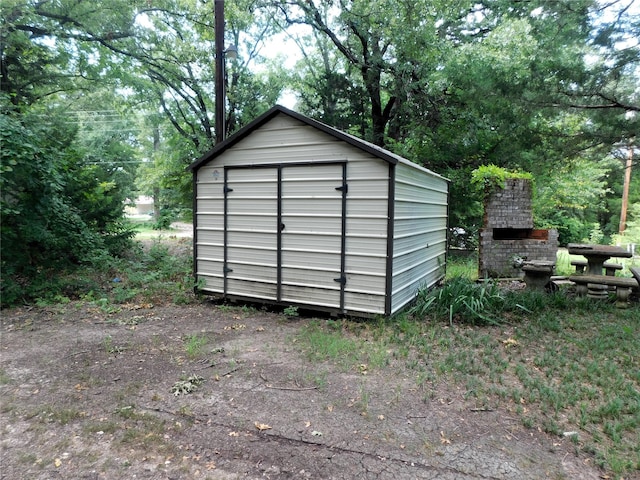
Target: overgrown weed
(156, 273)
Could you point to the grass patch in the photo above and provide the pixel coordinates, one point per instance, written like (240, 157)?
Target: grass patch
(194, 345)
(559, 363)
(4, 377)
(61, 416)
(335, 341)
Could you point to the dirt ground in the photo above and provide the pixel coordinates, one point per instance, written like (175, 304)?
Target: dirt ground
(87, 394)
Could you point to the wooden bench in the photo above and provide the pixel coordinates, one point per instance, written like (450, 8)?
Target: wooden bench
(591, 283)
(609, 267)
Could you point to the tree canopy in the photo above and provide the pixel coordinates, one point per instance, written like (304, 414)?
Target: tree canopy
(101, 101)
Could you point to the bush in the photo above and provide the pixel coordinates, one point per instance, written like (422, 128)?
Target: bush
(59, 209)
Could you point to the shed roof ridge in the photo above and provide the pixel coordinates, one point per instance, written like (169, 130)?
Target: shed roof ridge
(357, 142)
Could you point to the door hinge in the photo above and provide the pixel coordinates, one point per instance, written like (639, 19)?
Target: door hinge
(344, 188)
(342, 280)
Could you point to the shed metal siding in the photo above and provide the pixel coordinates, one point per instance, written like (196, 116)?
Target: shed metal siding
(420, 232)
(311, 213)
(251, 232)
(290, 237)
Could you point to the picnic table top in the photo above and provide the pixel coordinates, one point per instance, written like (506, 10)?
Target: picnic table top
(598, 250)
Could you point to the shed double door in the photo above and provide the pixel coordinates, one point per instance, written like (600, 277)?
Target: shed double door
(284, 233)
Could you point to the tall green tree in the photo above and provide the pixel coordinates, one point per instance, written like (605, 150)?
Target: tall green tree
(549, 87)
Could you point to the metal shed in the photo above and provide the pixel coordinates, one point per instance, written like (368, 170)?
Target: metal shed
(290, 211)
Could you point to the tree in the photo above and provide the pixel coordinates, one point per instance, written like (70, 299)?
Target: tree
(548, 87)
(59, 206)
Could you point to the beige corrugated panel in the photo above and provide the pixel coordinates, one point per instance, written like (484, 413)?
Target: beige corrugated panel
(312, 219)
(420, 224)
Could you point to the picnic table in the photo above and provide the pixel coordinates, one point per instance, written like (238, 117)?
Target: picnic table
(596, 255)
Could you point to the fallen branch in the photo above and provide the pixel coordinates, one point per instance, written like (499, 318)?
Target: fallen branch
(483, 409)
(230, 371)
(212, 364)
(293, 389)
(77, 353)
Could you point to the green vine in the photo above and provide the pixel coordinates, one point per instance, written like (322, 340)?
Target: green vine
(491, 177)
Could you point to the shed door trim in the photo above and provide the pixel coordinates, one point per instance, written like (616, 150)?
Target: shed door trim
(342, 188)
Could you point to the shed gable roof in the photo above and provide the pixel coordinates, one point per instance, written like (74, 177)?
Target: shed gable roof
(368, 147)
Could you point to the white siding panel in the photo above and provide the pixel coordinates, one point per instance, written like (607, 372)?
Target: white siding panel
(211, 190)
(251, 289)
(260, 272)
(252, 232)
(209, 228)
(210, 205)
(303, 258)
(293, 135)
(367, 187)
(364, 303)
(240, 241)
(366, 264)
(420, 221)
(370, 225)
(421, 240)
(213, 235)
(212, 253)
(362, 207)
(405, 227)
(366, 245)
(211, 283)
(364, 167)
(310, 295)
(311, 242)
(314, 175)
(366, 283)
(320, 223)
(320, 278)
(414, 210)
(252, 222)
(318, 206)
(255, 256)
(208, 173)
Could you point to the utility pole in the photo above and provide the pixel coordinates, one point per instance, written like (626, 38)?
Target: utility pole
(625, 189)
(219, 66)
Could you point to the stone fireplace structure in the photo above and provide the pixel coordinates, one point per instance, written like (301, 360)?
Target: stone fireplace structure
(508, 236)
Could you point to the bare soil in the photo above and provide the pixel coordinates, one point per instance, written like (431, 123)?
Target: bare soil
(87, 394)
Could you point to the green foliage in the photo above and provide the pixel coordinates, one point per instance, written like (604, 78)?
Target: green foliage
(460, 300)
(571, 197)
(340, 345)
(57, 210)
(631, 234)
(291, 311)
(194, 344)
(491, 177)
(144, 275)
